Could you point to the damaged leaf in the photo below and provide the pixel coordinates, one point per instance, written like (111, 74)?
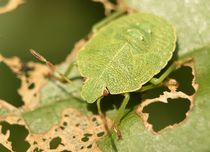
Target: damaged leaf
(191, 20)
(33, 77)
(174, 95)
(139, 135)
(4, 139)
(57, 119)
(9, 91)
(50, 118)
(75, 132)
(108, 6)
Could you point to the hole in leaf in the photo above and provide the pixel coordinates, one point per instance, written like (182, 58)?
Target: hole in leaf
(85, 139)
(66, 115)
(35, 143)
(94, 119)
(65, 123)
(9, 86)
(184, 77)
(111, 102)
(113, 1)
(4, 149)
(162, 114)
(43, 139)
(100, 134)
(38, 150)
(18, 133)
(154, 93)
(31, 86)
(66, 151)
(88, 135)
(55, 142)
(62, 128)
(89, 146)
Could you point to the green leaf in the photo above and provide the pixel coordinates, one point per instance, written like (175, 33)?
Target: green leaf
(192, 135)
(38, 120)
(125, 54)
(191, 19)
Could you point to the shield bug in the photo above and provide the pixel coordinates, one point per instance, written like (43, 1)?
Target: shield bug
(125, 54)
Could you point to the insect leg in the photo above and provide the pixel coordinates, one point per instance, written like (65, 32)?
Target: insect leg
(108, 19)
(98, 102)
(120, 114)
(157, 81)
(148, 87)
(69, 69)
(122, 108)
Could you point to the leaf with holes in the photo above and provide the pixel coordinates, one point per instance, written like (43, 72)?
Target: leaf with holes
(152, 127)
(55, 119)
(125, 54)
(142, 129)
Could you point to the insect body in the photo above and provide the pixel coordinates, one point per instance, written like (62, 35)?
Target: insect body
(124, 55)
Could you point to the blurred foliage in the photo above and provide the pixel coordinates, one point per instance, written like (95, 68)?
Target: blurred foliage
(3, 2)
(51, 27)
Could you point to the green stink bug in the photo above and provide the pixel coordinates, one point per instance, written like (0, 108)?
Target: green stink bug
(125, 54)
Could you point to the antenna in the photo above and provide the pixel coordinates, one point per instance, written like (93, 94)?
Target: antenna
(50, 65)
(42, 59)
